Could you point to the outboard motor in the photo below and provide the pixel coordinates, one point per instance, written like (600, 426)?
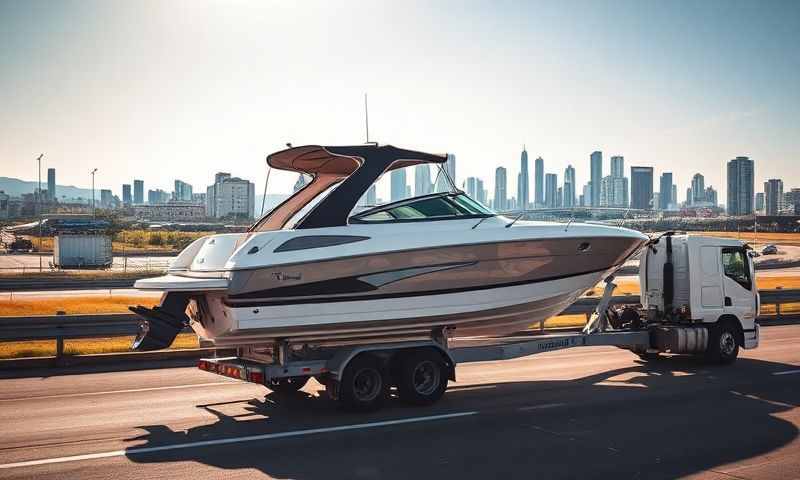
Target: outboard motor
(162, 323)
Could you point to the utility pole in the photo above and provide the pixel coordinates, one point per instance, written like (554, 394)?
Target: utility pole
(93, 172)
(39, 201)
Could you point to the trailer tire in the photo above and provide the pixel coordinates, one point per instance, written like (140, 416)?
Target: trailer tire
(724, 342)
(283, 386)
(421, 377)
(363, 386)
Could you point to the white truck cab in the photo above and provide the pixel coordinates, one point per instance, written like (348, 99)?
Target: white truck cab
(702, 281)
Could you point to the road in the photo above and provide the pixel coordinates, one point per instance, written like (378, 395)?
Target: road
(581, 413)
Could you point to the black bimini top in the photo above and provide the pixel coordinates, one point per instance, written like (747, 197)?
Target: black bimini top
(356, 168)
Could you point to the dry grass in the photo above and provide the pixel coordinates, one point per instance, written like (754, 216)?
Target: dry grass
(761, 238)
(45, 348)
(21, 306)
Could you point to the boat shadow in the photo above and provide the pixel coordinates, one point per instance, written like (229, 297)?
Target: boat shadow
(666, 419)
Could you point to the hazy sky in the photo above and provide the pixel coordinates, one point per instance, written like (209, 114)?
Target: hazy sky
(171, 89)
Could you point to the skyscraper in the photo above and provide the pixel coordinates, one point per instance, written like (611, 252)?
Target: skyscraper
(698, 190)
(126, 194)
(398, 184)
(442, 185)
(422, 180)
(596, 169)
(523, 183)
(500, 189)
(665, 191)
(183, 191)
(642, 188)
(760, 202)
(773, 196)
(51, 184)
(299, 183)
(741, 183)
(138, 192)
(538, 180)
(618, 166)
(550, 190)
(569, 187)
(711, 196)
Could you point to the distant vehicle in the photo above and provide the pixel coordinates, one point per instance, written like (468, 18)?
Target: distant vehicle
(769, 250)
(21, 245)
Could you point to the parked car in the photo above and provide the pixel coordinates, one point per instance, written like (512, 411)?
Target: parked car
(21, 245)
(769, 250)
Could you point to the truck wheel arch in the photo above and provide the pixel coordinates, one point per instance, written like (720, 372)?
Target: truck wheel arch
(732, 319)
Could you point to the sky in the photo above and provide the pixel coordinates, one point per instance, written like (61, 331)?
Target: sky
(164, 89)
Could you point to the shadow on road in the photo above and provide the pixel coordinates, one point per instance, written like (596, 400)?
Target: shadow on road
(666, 419)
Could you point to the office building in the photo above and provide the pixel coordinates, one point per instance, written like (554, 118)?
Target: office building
(550, 190)
(300, 183)
(711, 196)
(500, 189)
(587, 195)
(51, 184)
(138, 192)
(538, 181)
(398, 185)
(422, 180)
(614, 192)
(183, 192)
(618, 166)
(641, 187)
(106, 199)
(741, 182)
(523, 183)
(230, 197)
(127, 199)
(442, 184)
(773, 196)
(596, 169)
(760, 203)
(157, 197)
(698, 190)
(665, 191)
(569, 187)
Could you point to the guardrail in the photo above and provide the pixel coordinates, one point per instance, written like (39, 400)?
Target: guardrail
(61, 327)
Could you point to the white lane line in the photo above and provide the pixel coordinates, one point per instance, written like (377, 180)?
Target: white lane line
(225, 441)
(542, 406)
(130, 390)
(786, 372)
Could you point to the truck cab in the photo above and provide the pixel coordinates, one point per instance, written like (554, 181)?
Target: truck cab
(701, 281)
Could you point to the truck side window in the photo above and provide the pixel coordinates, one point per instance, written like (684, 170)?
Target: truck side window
(734, 263)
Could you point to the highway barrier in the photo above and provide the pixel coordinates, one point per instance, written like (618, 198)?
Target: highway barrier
(63, 327)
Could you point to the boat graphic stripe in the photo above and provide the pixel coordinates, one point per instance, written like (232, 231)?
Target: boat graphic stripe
(237, 301)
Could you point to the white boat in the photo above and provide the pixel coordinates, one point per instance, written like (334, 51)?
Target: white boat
(313, 271)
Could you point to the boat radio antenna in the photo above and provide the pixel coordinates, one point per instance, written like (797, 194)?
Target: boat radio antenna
(266, 182)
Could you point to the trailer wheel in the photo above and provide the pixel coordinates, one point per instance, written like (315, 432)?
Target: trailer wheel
(363, 387)
(287, 385)
(723, 343)
(422, 377)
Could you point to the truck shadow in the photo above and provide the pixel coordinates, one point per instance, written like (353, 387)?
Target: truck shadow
(665, 419)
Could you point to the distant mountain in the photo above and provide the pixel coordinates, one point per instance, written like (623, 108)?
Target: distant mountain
(16, 187)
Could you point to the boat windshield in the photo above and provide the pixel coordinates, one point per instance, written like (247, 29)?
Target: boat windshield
(437, 206)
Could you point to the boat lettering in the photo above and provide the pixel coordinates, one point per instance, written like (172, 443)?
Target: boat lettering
(554, 344)
(280, 276)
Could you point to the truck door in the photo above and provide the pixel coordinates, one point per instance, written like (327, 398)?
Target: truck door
(711, 296)
(737, 283)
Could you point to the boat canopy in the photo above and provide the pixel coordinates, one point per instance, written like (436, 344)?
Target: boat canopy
(355, 167)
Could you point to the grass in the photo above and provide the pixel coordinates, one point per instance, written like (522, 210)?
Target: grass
(761, 237)
(137, 242)
(45, 348)
(21, 306)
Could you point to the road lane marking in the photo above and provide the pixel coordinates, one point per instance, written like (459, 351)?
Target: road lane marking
(786, 372)
(130, 390)
(541, 406)
(771, 402)
(226, 441)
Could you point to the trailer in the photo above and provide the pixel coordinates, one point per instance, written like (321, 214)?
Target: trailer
(698, 298)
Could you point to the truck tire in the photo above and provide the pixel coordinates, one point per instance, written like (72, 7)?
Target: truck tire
(363, 386)
(723, 343)
(284, 386)
(422, 377)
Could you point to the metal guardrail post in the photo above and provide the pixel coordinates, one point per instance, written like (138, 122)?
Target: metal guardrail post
(59, 347)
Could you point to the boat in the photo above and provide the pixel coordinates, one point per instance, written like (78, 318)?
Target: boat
(315, 270)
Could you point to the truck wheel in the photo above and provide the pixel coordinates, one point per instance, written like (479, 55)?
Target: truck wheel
(363, 387)
(422, 377)
(287, 385)
(723, 343)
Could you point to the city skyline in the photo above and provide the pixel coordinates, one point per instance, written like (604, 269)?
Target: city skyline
(209, 97)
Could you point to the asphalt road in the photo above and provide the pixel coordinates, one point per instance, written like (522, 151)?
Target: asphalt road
(581, 413)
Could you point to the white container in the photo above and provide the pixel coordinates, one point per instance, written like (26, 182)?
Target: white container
(82, 251)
